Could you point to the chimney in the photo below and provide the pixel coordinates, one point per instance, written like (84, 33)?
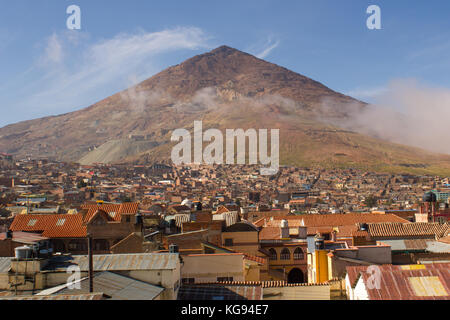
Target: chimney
(302, 232)
(284, 229)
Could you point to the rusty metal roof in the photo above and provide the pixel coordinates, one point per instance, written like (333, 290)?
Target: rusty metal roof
(24, 237)
(124, 262)
(409, 282)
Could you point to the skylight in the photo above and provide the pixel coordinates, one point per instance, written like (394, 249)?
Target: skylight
(60, 222)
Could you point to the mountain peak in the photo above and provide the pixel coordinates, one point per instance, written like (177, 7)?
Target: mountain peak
(223, 52)
(223, 48)
(173, 98)
(226, 50)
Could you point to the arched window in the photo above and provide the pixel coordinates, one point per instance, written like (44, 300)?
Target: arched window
(273, 254)
(285, 254)
(298, 254)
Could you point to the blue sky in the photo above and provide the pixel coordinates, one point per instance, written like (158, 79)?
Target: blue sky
(47, 69)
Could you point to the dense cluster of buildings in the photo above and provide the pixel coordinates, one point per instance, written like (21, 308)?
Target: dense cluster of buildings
(220, 232)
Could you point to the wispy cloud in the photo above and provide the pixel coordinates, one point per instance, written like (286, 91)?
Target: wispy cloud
(267, 48)
(74, 72)
(53, 51)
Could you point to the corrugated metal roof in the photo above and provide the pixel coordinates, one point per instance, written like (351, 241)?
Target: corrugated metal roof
(117, 287)
(124, 262)
(417, 245)
(407, 282)
(24, 237)
(5, 264)
(89, 296)
(438, 247)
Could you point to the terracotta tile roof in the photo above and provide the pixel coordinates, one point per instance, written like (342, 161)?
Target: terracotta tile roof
(321, 230)
(321, 220)
(221, 209)
(270, 233)
(360, 233)
(392, 230)
(255, 258)
(259, 222)
(51, 226)
(345, 224)
(114, 210)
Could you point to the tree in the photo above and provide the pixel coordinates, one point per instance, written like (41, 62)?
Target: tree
(371, 201)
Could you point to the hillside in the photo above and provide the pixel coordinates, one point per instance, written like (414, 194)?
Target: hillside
(226, 88)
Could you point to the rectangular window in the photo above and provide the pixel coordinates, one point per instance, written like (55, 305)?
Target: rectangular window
(228, 242)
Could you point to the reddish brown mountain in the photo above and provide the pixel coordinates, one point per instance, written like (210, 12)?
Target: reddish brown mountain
(225, 88)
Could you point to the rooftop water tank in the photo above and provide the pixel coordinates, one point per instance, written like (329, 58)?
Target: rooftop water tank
(24, 252)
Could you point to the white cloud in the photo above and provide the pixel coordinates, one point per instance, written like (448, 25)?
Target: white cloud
(78, 73)
(53, 50)
(268, 47)
(406, 112)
